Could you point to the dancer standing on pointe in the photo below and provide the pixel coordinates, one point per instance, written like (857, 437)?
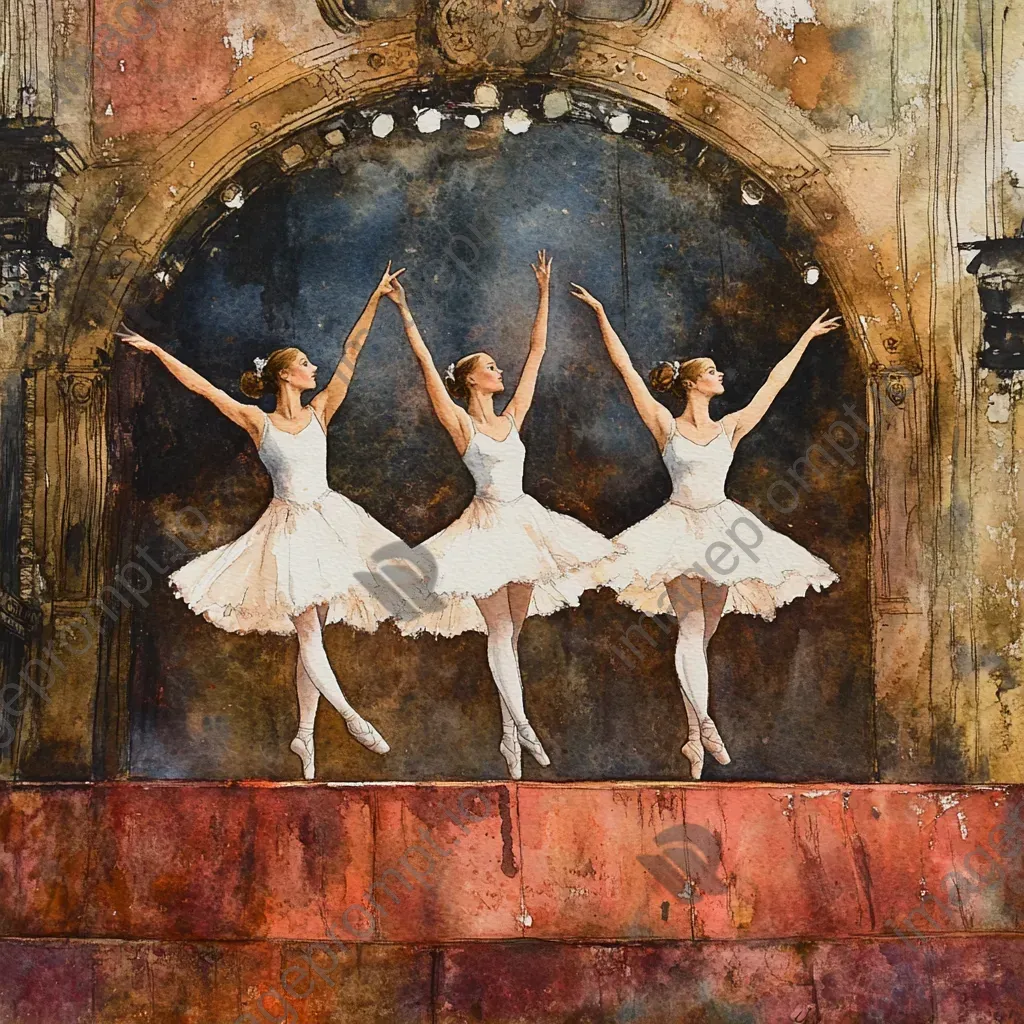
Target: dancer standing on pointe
(667, 551)
(308, 560)
(507, 555)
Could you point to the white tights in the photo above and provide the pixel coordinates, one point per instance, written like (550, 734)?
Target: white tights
(313, 673)
(698, 607)
(504, 613)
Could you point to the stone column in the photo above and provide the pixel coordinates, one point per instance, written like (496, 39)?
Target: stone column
(63, 562)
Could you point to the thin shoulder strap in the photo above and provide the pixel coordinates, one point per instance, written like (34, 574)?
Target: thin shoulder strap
(511, 416)
(312, 409)
(266, 426)
(472, 427)
(671, 433)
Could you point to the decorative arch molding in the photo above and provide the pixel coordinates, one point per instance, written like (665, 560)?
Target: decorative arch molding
(204, 155)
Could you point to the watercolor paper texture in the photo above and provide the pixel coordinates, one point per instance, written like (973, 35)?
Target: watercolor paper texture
(481, 472)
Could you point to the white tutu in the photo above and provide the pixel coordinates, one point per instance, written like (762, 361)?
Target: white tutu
(762, 569)
(294, 557)
(504, 536)
(311, 546)
(495, 543)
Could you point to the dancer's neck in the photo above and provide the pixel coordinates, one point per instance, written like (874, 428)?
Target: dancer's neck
(289, 405)
(697, 412)
(481, 408)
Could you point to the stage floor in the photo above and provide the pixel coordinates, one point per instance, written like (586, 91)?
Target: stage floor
(163, 901)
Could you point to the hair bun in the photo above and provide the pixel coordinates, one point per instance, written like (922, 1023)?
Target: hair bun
(664, 376)
(252, 385)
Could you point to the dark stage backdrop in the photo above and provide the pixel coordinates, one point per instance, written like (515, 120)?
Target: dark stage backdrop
(684, 269)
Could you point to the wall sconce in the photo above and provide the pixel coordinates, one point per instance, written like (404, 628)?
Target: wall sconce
(998, 270)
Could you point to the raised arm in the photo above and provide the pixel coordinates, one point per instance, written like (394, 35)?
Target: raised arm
(248, 417)
(523, 398)
(327, 402)
(455, 420)
(744, 420)
(656, 417)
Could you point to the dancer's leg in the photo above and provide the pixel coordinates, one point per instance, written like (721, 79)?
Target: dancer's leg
(500, 652)
(698, 607)
(314, 661)
(309, 699)
(318, 668)
(714, 596)
(519, 597)
(308, 694)
(691, 664)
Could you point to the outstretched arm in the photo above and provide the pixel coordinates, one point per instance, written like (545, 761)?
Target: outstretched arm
(327, 402)
(744, 420)
(656, 417)
(453, 419)
(523, 398)
(248, 417)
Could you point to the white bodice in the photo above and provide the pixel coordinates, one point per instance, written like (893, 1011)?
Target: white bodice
(698, 471)
(497, 466)
(297, 463)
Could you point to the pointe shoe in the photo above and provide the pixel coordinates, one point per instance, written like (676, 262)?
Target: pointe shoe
(513, 754)
(693, 751)
(362, 732)
(304, 750)
(712, 742)
(528, 738)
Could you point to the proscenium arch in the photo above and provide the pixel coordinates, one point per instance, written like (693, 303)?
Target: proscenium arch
(289, 267)
(202, 158)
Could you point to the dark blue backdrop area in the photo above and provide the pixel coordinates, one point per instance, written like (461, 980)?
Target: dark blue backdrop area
(684, 269)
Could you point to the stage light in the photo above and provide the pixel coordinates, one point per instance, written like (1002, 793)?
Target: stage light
(486, 96)
(557, 103)
(471, 120)
(812, 273)
(751, 192)
(383, 125)
(516, 121)
(428, 120)
(232, 196)
(619, 122)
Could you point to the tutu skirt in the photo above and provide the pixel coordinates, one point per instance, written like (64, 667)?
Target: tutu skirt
(724, 544)
(294, 557)
(494, 543)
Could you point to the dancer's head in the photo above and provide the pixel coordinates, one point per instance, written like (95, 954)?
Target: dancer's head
(475, 373)
(283, 367)
(694, 376)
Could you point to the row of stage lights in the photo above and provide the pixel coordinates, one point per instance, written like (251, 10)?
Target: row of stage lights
(516, 120)
(487, 98)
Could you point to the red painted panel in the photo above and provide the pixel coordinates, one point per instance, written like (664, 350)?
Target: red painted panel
(788, 862)
(581, 875)
(585, 862)
(44, 856)
(447, 863)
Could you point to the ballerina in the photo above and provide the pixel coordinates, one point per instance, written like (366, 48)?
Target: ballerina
(506, 556)
(309, 559)
(663, 569)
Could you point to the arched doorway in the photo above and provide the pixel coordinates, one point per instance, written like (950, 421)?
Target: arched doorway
(692, 254)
